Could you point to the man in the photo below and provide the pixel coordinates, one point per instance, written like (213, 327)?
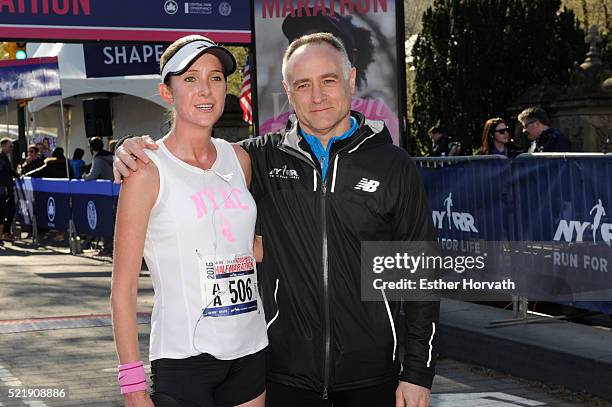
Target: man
(102, 163)
(101, 168)
(544, 138)
(441, 144)
(322, 187)
(7, 200)
(32, 161)
(54, 167)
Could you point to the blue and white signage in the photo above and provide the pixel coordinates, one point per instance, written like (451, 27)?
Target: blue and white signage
(29, 78)
(226, 21)
(104, 60)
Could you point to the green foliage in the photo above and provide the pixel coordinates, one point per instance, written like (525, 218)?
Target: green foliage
(474, 57)
(234, 82)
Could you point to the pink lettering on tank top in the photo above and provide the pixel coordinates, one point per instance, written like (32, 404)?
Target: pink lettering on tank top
(226, 229)
(217, 199)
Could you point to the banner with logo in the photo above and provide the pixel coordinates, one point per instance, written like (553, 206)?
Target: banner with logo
(51, 203)
(29, 78)
(93, 207)
(369, 33)
(104, 60)
(226, 21)
(470, 200)
(567, 200)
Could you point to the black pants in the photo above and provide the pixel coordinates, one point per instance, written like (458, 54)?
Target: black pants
(9, 214)
(382, 395)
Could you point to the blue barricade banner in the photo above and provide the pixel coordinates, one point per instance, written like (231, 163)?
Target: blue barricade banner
(29, 78)
(565, 200)
(226, 21)
(24, 200)
(470, 200)
(51, 202)
(93, 207)
(116, 190)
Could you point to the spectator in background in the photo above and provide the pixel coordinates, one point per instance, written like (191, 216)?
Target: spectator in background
(7, 200)
(101, 168)
(496, 138)
(55, 166)
(102, 164)
(544, 138)
(77, 162)
(46, 148)
(112, 145)
(441, 145)
(41, 148)
(32, 161)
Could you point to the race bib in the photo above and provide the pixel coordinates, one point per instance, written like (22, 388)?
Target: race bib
(228, 285)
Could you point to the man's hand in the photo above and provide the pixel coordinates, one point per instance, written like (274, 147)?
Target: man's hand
(411, 395)
(128, 152)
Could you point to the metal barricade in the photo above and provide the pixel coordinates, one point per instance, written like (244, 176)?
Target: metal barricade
(535, 197)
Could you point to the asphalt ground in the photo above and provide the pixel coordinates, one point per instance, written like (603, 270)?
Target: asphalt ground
(55, 333)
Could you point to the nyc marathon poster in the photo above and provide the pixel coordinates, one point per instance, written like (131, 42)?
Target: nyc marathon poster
(368, 31)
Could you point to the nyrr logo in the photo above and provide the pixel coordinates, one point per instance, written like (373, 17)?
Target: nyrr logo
(92, 215)
(51, 209)
(573, 230)
(283, 173)
(462, 221)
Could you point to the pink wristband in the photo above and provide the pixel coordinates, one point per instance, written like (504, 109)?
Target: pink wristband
(132, 377)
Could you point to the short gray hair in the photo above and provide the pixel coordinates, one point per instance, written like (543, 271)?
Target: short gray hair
(317, 38)
(532, 114)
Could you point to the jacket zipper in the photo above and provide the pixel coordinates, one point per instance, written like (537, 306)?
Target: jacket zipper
(326, 364)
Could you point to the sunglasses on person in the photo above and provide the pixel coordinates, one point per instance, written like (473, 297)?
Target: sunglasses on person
(502, 131)
(32, 151)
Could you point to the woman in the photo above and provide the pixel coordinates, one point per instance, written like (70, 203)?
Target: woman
(193, 217)
(496, 138)
(77, 163)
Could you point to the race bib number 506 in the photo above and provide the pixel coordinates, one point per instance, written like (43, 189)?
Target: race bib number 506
(228, 285)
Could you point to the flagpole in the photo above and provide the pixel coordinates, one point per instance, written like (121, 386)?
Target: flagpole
(65, 138)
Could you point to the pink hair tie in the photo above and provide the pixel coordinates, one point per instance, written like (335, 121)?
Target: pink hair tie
(132, 377)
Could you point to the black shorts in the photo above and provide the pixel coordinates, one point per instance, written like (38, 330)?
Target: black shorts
(204, 381)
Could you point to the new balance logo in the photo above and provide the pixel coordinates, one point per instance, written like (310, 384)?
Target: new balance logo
(367, 185)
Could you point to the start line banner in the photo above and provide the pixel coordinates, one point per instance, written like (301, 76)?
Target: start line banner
(225, 21)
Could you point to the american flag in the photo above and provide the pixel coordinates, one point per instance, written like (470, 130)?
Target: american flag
(245, 94)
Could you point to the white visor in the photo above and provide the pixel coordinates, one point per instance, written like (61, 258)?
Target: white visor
(189, 52)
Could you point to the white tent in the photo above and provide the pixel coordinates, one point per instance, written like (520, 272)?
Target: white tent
(74, 82)
(135, 104)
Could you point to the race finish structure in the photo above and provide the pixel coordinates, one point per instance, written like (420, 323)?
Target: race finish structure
(225, 21)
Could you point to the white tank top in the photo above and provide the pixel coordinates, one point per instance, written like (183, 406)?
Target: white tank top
(199, 250)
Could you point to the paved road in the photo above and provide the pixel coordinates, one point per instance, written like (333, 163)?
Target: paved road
(55, 332)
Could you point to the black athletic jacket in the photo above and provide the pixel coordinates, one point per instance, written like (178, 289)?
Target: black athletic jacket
(322, 336)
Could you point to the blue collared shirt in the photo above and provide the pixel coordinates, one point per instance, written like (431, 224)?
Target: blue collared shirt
(321, 153)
